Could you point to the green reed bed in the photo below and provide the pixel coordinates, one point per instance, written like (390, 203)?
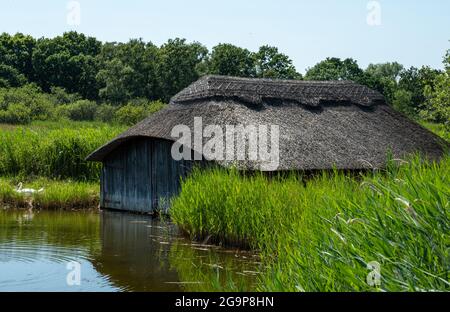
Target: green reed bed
(328, 233)
(48, 151)
(236, 210)
(54, 194)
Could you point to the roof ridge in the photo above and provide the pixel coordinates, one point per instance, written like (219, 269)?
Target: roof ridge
(277, 80)
(254, 90)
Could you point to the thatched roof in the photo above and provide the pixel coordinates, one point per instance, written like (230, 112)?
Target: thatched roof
(322, 125)
(256, 91)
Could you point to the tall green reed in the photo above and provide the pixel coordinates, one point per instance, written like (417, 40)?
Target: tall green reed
(57, 153)
(56, 195)
(322, 234)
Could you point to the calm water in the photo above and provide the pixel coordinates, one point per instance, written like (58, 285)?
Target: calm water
(116, 252)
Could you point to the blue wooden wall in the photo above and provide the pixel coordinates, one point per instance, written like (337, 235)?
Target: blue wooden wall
(141, 176)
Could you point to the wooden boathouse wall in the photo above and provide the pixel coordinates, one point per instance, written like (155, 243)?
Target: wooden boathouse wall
(141, 176)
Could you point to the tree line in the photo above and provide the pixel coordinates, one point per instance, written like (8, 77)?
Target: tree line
(82, 67)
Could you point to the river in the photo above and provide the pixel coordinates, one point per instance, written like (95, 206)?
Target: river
(113, 251)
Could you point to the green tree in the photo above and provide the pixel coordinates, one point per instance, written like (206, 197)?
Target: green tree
(385, 70)
(11, 77)
(141, 60)
(415, 81)
(438, 97)
(230, 60)
(16, 51)
(177, 65)
(67, 61)
(402, 102)
(336, 69)
(270, 63)
(116, 78)
(384, 78)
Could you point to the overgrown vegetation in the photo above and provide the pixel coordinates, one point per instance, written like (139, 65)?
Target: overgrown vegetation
(322, 235)
(28, 103)
(57, 153)
(64, 195)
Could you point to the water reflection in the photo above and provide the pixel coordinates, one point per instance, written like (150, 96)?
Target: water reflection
(117, 252)
(36, 247)
(134, 252)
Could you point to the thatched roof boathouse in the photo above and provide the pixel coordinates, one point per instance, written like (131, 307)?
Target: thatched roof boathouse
(321, 125)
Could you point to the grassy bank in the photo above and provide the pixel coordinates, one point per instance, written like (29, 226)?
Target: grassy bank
(323, 235)
(53, 150)
(55, 195)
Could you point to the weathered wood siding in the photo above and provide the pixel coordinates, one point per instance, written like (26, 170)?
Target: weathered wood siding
(141, 176)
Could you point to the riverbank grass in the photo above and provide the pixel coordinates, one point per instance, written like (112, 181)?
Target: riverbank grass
(55, 151)
(380, 231)
(65, 195)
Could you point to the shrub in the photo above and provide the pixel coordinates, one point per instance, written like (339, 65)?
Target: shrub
(130, 114)
(105, 113)
(60, 96)
(138, 102)
(155, 106)
(30, 96)
(16, 114)
(80, 110)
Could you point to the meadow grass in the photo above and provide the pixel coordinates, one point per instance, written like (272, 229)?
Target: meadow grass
(64, 195)
(328, 232)
(53, 150)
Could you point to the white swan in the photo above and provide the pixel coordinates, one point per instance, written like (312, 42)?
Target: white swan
(27, 191)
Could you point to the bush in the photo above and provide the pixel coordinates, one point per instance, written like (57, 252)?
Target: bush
(80, 110)
(16, 114)
(105, 113)
(130, 114)
(60, 96)
(155, 106)
(31, 97)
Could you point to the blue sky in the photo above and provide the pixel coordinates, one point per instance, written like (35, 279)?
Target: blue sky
(412, 32)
